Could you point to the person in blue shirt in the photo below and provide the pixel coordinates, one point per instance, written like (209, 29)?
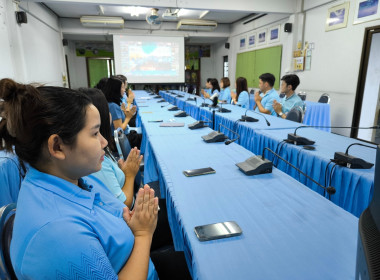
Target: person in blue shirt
(225, 92)
(118, 176)
(264, 99)
(215, 91)
(121, 115)
(241, 97)
(208, 87)
(289, 83)
(127, 92)
(68, 224)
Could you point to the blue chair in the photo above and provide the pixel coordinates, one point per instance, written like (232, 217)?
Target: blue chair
(302, 96)
(282, 95)
(7, 215)
(295, 114)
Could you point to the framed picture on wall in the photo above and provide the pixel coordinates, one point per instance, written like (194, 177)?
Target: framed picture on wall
(242, 42)
(262, 37)
(337, 16)
(274, 34)
(366, 10)
(251, 40)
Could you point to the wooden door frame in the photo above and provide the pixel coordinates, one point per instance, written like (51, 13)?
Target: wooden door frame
(367, 42)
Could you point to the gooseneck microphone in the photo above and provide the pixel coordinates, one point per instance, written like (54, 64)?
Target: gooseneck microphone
(330, 189)
(245, 118)
(230, 140)
(204, 104)
(346, 160)
(293, 138)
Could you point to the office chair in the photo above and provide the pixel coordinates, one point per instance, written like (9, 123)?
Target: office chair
(7, 215)
(302, 96)
(325, 98)
(282, 95)
(125, 147)
(295, 114)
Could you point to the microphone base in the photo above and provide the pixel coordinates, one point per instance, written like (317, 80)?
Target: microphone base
(298, 140)
(161, 101)
(245, 118)
(204, 105)
(224, 110)
(157, 96)
(197, 125)
(190, 99)
(181, 114)
(351, 162)
(180, 96)
(174, 108)
(214, 136)
(255, 165)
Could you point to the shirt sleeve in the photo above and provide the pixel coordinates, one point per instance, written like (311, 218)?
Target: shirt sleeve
(227, 94)
(243, 99)
(116, 112)
(55, 252)
(111, 181)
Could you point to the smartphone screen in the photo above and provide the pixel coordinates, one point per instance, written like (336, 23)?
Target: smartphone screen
(217, 231)
(197, 172)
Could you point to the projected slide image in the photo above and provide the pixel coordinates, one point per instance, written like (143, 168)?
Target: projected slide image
(149, 58)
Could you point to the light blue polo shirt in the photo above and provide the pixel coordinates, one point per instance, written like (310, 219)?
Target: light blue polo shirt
(293, 101)
(267, 101)
(117, 114)
(113, 177)
(225, 94)
(64, 232)
(243, 99)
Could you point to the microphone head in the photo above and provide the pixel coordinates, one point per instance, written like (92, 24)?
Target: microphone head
(268, 123)
(228, 142)
(330, 190)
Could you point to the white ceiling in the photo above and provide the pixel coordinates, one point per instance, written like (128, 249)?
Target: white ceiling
(76, 10)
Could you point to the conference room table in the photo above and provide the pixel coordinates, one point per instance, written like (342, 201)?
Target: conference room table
(289, 231)
(354, 187)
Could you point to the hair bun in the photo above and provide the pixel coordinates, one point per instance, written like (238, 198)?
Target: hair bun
(9, 89)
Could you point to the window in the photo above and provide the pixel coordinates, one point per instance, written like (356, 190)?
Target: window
(225, 66)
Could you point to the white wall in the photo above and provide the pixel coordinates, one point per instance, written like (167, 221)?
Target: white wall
(335, 63)
(34, 50)
(77, 67)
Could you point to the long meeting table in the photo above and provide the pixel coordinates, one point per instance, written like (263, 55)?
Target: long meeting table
(354, 187)
(289, 231)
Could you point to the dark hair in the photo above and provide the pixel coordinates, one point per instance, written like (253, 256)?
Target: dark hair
(122, 78)
(100, 102)
(31, 114)
(241, 85)
(209, 80)
(112, 90)
(215, 85)
(291, 80)
(101, 84)
(269, 78)
(226, 82)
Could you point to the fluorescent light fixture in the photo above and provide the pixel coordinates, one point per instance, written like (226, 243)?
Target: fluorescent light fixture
(101, 21)
(136, 11)
(202, 15)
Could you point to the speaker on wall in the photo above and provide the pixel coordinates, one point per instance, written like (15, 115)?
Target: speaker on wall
(65, 42)
(21, 17)
(288, 27)
(227, 45)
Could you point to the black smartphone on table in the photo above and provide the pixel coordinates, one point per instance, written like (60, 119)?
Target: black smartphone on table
(217, 231)
(197, 172)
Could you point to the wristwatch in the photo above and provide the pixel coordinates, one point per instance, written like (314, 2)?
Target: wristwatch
(280, 114)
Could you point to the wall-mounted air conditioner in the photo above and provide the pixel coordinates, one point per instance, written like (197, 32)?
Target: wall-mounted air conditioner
(100, 21)
(195, 24)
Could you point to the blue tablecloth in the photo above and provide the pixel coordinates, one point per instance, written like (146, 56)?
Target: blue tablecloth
(354, 187)
(317, 114)
(289, 231)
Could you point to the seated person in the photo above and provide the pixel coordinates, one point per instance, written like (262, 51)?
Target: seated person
(264, 99)
(225, 92)
(241, 97)
(71, 217)
(215, 91)
(289, 84)
(121, 115)
(208, 87)
(127, 92)
(118, 176)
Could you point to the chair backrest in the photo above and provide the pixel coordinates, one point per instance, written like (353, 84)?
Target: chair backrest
(124, 145)
(295, 114)
(325, 98)
(302, 96)
(252, 91)
(282, 95)
(7, 215)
